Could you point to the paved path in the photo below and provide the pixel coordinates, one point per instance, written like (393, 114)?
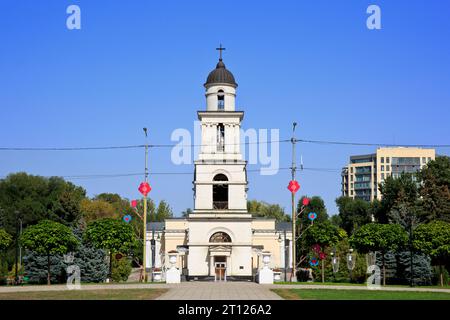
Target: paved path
(220, 291)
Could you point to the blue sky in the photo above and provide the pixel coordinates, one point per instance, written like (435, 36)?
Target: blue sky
(143, 63)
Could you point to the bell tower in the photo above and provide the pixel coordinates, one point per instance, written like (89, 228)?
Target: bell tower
(220, 176)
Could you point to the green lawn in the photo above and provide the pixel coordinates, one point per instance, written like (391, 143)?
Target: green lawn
(358, 284)
(102, 294)
(332, 294)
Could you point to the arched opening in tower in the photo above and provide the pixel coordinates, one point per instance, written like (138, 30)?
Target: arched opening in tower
(220, 138)
(220, 100)
(220, 192)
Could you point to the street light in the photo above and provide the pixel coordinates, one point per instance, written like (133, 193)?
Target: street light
(286, 247)
(351, 262)
(334, 263)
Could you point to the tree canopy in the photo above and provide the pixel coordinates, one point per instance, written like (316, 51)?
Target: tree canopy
(396, 191)
(49, 238)
(435, 190)
(353, 213)
(110, 234)
(267, 210)
(35, 198)
(317, 205)
(434, 239)
(5, 239)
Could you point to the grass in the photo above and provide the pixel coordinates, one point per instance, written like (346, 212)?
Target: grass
(114, 294)
(327, 294)
(358, 284)
(323, 284)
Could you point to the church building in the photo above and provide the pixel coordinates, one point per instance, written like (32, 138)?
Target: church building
(220, 240)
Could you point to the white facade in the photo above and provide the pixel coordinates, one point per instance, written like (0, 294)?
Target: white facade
(220, 239)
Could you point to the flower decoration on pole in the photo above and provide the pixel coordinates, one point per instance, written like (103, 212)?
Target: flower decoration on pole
(293, 186)
(133, 203)
(144, 188)
(316, 248)
(305, 201)
(314, 262)
(312, 216)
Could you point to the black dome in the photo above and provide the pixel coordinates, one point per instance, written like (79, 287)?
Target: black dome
(220, 75)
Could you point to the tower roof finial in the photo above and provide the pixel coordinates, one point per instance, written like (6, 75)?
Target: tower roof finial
(220, 51)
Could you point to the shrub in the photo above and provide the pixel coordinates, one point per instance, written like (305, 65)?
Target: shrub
(121, 269)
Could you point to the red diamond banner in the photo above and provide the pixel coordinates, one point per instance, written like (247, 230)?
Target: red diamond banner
(305, 201)
(293, 186)
(144, 188)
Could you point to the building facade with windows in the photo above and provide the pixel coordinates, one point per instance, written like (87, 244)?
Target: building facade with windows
(220, 239)
(361, 177)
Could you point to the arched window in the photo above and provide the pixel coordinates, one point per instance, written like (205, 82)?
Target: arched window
(220, 100)
(220, 192)
(220, 237)
(220, 137)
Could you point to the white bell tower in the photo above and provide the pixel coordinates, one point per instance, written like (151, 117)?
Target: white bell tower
(220, 176)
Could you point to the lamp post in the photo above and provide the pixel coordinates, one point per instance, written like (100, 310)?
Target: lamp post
(18, 231)
(350, 262)
(334, 263)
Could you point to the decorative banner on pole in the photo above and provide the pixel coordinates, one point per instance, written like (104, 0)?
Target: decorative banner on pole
(312, 216)
(133, 203)
(127, 218)
(305, 201)
(293, 186)
(144, 188)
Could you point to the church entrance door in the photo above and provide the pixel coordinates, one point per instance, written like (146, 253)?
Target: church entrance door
(220, 267)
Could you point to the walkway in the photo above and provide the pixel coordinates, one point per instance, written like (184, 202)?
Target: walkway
(210, 290)
(220, 291)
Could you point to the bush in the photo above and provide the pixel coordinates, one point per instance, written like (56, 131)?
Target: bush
(90, 260)
(3, 271)
(121, 269)
(422, 271)
(436, 275)
(36, 268)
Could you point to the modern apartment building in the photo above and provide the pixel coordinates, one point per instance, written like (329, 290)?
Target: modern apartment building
(361, 177)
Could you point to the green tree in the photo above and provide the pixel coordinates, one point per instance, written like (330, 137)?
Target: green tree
(49, 238)
(379, 237)
(36, 198)
(186, 212)
(121, 269)
(395, 192)
(163, 212)
(317, 205)
(5, 240)
(113, 235)
(435, 190)
(324, 234)
(353, 213)
(267, 210)
(434, 239)
(97, 209)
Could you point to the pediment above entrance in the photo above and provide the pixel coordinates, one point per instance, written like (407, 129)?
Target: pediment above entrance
(220, 250)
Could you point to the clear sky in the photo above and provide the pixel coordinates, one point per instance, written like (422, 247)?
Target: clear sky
(143, 63)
